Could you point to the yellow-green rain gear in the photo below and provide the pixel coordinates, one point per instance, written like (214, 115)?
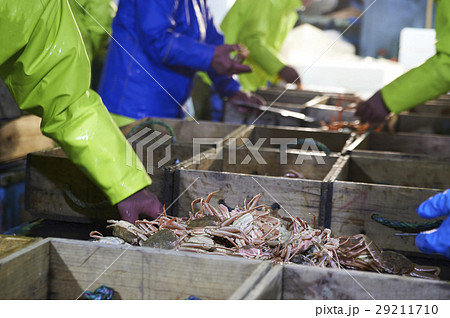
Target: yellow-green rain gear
(430, 79)
(94, 19)
(262, 26)
(43, 62)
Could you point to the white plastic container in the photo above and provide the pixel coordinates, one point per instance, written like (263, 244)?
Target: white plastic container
(416, 46)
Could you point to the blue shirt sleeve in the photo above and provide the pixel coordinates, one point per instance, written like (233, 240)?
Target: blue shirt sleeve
(160, 41)
(225, 86)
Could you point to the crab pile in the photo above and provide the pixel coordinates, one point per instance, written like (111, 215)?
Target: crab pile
(257, 231)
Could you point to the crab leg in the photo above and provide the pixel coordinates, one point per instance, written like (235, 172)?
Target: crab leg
(208, 198)
(213, 211)
(253, 201)
(96, 234)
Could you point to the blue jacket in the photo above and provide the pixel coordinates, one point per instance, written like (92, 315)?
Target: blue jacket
(158, 46)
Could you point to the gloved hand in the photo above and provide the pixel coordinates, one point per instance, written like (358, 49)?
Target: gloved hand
(438, 241)
(289, 75)
(248, 98)
(373, 110)
(223, 64)
(142, 202)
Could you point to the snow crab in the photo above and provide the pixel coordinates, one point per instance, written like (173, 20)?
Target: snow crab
(359, 252)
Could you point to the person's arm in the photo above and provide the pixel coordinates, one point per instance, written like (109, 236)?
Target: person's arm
(159, 39)
(253, 35)
(225, 85)
(429, 80)
(48, 73)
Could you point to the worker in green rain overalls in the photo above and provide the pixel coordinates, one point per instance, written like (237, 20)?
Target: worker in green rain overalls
(44, 63)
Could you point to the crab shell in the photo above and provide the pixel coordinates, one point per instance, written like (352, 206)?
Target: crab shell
(395, 263)
(126, 231)
(110, 240)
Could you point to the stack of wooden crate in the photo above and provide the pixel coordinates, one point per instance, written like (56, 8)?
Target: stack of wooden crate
(387, 174)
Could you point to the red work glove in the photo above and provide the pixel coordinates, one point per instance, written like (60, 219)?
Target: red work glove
(289, 75)
(248, 98)
(374, 110)
(142, 202)
(223, 64)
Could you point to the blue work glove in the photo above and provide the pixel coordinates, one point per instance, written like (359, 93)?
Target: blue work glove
(438, 241)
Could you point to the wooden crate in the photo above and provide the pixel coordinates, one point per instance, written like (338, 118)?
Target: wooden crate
(423, 124)
(237, 182)
(293, 96)
(21, 136)
(299, 282)
(329, 113)
(403, 144)
(10, 244)
(272, 118)
(336, 142)
(185, 131)
(57, 189)
(64, 269)
(391, 187)
(271, 94)
(434, 107)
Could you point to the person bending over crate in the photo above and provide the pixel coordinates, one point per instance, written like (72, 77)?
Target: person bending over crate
(44, 64)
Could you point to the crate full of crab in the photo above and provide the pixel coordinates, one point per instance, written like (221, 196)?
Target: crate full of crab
(58, 189)
(71, 269)
(316, 263)
(293, 178)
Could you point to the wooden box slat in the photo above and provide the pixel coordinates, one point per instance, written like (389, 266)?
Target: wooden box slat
(185, 131)
(334, 141)
(64, 269)
(437, 108)
(238, 182)
(286, 96)
(421, 173)
(57, 189)
(24, 274)
(423, 124)
(406, 144)
(298, 197)
(21, 136)
(55, 185)
(312, 283)
(10, 244)
(402, 186)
